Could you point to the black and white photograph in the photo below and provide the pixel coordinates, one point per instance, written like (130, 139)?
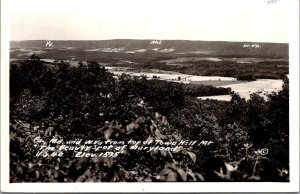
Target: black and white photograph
(150, 95)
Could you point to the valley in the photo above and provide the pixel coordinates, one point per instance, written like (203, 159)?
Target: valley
(245, 70)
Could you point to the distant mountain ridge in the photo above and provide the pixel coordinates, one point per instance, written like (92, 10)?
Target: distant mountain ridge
(167, 47)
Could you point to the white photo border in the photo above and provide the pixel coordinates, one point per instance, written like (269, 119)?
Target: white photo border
(292, 186)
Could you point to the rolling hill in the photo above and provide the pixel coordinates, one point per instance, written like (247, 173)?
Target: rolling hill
(149, 48)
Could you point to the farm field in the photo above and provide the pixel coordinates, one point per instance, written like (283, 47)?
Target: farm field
(216, 59)
(176, 77)
(216, 82)
(262, 86)
(243, 88)
(219, 97)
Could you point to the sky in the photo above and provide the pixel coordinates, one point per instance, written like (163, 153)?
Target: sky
(216, 20)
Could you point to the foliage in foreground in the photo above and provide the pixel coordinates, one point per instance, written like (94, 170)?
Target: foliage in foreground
(88, 102)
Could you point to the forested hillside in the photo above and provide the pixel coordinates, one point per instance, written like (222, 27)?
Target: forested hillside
(88, 102)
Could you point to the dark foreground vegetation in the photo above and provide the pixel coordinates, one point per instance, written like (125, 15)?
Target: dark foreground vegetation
(88, 102)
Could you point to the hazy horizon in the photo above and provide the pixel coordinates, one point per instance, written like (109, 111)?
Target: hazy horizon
(148, 39)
